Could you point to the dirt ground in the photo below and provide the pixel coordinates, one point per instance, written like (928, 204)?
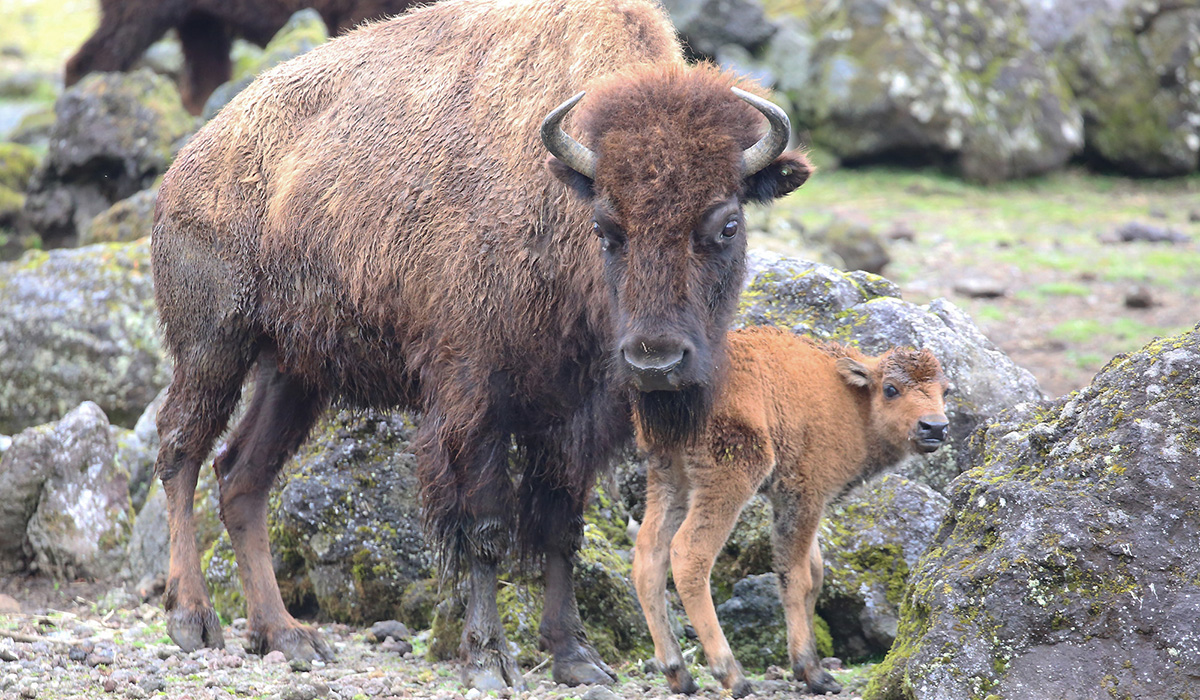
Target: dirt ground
(1048, 247)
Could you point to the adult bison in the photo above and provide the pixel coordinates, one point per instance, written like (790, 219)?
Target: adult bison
(375, 222)
(206, 29)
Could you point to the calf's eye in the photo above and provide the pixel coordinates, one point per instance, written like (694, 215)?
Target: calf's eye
(730, 230)
(596, 229)
(890, 391)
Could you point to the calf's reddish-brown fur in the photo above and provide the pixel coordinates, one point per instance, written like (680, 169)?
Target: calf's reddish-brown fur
(802, 420)
(206, 29)
(374, 222)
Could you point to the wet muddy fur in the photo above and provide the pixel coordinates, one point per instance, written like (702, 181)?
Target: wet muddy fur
(800, 420)
(374, 223)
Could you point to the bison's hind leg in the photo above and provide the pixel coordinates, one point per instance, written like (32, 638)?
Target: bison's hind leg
(206, 43)
(204, 391)
(278, 419)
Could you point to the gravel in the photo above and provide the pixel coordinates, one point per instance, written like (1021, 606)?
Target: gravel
(75, 649)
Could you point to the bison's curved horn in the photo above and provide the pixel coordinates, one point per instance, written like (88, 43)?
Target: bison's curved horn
(577, 156)
(770, 146)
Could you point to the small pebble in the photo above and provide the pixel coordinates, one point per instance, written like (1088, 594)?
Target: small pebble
(300, 665)
(7, 655)
(599, 692)
(109, 685)
(1139, 297)
(274, 657)
(831, 663)
(380, 631)
(474, 694)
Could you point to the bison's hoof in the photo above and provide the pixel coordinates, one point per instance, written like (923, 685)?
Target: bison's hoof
(193, 628)
(821, 683)
(489, 669)
(680, 681)
(295, 641)
(579, 664)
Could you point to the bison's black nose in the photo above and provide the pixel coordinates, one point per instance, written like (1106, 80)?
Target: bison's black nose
(931, 432)
(655, 365)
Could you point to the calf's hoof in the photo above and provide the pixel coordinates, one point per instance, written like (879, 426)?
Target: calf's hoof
(295, 641)
(581, 665)
(680, 680)
(821, 683)
(741, 689)
(193, 628)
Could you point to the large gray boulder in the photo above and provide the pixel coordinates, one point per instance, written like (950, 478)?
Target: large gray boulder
(871, 538)
(866, 311)
(115, 133)
(1136, 76)
(708, 25)
(1069, 564)
(348, 515)
(25, 464)
(83, 517)
(943, 81)
(78, 325)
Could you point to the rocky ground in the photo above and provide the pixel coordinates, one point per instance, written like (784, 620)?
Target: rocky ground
(84, 640)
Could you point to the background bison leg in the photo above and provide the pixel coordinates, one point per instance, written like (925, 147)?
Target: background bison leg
(801, 571)
(276, 422)
(553, 495)
(125, 32)
(666, 507)
(202, 396)
(206, 44)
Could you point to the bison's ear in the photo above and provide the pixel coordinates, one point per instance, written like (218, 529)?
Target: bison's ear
(579, 183)
(784, 174)
(854, 372)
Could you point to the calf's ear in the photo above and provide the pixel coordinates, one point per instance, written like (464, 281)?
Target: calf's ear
(577, 182)
(782, 176)
(854, 372)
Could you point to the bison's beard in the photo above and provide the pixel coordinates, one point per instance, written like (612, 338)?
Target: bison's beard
(669, 418)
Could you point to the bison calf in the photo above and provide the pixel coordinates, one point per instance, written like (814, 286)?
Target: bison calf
(800, 420)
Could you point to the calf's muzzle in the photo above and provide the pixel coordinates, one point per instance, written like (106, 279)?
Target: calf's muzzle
(931, 432)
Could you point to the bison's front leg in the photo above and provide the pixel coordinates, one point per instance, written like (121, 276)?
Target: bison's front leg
(552, 522)
(487, 662)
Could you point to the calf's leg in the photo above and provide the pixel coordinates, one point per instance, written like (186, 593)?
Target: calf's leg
(278, 419)
(718, 495)
(666, 507)
(801, 571)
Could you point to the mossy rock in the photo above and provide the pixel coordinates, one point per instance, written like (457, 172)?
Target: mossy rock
(925, 81)
(870, 540)
(17, 162)
(219, 564)
(1069, 562)
(447, 628)
(11, 203)
(127, 220)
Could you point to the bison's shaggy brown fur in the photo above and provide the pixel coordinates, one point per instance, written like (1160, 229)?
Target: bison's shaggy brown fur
(206, 29)
(374, 222)
(802, 421)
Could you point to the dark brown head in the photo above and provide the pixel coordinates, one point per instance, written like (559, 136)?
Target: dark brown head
(673, 154)
(908, 390)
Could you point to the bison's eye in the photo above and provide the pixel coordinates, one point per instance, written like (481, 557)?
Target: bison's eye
(596, 229)
(731, 229)
(890, 391)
